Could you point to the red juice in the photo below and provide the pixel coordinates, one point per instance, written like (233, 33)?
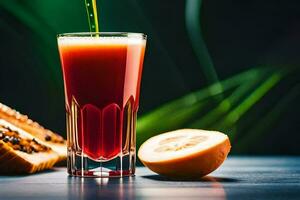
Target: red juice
(102, 77)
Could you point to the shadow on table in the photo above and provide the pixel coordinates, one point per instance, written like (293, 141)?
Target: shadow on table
(207, 187)
(203, 179)
(2, 175)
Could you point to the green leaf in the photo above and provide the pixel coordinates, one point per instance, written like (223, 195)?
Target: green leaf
(183, 111)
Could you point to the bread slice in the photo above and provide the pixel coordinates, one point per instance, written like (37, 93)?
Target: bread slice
(22, 153)
(47, 137)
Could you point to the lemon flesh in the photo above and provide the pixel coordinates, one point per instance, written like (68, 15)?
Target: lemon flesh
(185, 153)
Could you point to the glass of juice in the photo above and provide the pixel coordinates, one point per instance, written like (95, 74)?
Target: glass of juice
(102, 76)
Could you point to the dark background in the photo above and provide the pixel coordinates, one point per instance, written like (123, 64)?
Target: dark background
(239, 35)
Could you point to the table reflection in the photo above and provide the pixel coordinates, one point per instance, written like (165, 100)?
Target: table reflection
(100, 188)
(129, 188)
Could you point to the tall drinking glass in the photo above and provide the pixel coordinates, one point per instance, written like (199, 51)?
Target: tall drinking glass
(102, 75)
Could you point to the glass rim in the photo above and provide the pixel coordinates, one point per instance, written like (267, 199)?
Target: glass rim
(103, 34)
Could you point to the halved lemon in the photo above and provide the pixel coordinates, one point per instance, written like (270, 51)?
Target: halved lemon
(185, 153)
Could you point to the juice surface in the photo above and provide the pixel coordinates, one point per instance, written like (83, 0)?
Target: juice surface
(102, 84)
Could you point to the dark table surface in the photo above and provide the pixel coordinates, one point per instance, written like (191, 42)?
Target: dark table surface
(238, 178)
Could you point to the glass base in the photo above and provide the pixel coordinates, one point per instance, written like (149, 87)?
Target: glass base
(82, 166)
